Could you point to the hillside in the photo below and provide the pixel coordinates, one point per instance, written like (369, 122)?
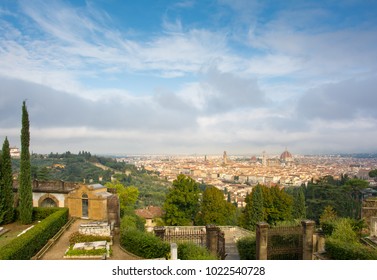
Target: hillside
(87, 168)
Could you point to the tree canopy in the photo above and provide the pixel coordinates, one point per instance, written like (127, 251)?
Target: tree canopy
(127, 196)
(182, 202)
(214, 209)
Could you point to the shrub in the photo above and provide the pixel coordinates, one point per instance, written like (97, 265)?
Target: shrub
(41, 213)
(144, 244)
(344, 231)
(77, 237)
(342, 250)
(246, 247)
(191, 251)
(27, 245)
(132, 222)
(328, 227)
(83, 252)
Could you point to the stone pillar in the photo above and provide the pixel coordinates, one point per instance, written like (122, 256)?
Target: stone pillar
(212, 238)
(174, 251)
(262, 239)
(373, 226)
(160, 232)
(307, 239)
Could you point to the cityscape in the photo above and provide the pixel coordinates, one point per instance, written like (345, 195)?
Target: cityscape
(224, 130)
(238, 174)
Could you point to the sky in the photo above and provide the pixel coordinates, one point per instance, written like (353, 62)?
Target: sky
(190, 77)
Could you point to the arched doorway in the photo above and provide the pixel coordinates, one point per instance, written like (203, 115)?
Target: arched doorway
(85, 205)
(48, 202)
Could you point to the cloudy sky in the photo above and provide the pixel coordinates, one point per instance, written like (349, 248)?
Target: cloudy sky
(184, 77)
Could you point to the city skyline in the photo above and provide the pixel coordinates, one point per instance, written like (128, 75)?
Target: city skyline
(190, 77)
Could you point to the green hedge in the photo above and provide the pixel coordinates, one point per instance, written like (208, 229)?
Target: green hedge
(191, 251)
(340, 250)
(77, 237)
(27, 245)
(83, 252)
(246, 247)
(41, 213)
(144, 244)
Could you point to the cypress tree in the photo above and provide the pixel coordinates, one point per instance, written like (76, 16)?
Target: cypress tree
(25, 188)
(299, 207)
(6, 185)
(257, 206)
(253, 212)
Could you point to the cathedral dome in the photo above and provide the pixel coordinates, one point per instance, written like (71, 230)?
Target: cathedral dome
(286, 156)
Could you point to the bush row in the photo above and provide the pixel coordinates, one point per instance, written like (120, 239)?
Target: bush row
(41, 213)
(83, 252)
(340, 250)
(191, 251)
(144, 244)
(246, 247)
(78, 237)
(27, 245)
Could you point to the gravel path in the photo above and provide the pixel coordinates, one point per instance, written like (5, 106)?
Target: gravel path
(56, 251)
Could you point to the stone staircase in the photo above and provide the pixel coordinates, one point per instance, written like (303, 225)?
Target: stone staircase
(232, 234)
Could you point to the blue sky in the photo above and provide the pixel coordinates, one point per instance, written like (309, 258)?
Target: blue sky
(184, 77)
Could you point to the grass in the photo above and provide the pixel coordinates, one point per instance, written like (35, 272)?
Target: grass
(14, 229)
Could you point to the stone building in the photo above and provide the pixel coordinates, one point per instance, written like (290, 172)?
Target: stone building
(92, 202)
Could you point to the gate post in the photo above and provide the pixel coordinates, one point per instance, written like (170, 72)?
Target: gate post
(307, 239)
(212, 238)
(261, 238)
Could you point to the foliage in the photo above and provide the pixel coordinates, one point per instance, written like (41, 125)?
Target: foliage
(341, 197)
(339, 250)
(144, 244)
(299, 207)
(6, 186)
(191, 251)
(256, 207)
(127, 196)
(373, 173)
(344, 232)
(343, 243)
(41, 213)
(182, 202)
(84, 252)
(246, 247)
(327, 220)
(267, 204)
(214, 209)
(132, 221)
(78, 237)
(27, 245)
(25, 188)
(152, 190)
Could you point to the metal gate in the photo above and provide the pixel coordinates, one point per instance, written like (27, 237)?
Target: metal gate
(285, 243)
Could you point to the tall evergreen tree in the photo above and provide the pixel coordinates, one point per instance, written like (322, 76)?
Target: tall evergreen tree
(299, 207)
(254, 208)
(25, 188)
(6, 185)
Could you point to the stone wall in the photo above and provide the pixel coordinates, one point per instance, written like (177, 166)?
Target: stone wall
(95, 228)
(50, 186)
(369, 213)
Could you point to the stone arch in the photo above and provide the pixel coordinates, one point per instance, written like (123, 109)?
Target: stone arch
(50, 199)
